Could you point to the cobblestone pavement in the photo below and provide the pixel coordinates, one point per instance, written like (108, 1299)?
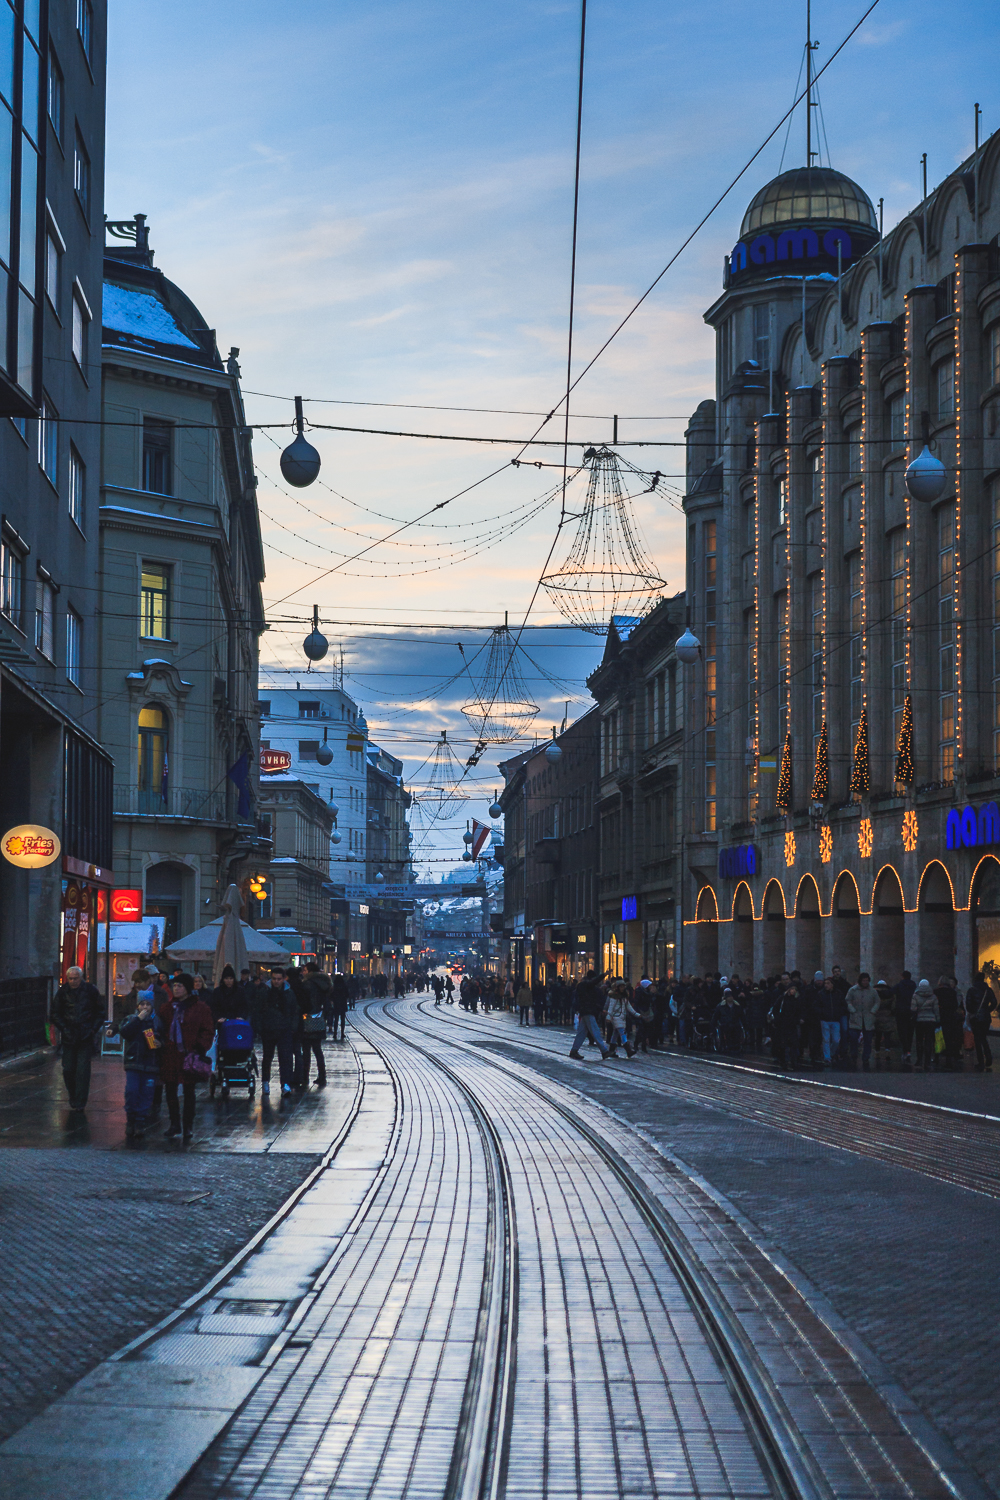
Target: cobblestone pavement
(99, 1241)
(904, 1259)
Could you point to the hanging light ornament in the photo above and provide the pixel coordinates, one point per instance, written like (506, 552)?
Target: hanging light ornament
(553, 752)
(325, 755)
(299, 461)
(502, 709)
(466, 836)
(688, 647)
(606, 572)
(379, 878)
(316, 644)
(335, 837)
(496, 810)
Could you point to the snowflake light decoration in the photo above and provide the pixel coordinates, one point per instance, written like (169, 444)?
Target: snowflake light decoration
(909, 831)
(866, 838)
(826, 844)
(789, 849)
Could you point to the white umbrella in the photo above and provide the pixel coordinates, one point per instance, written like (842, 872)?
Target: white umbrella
(202, 945)
(231, 947)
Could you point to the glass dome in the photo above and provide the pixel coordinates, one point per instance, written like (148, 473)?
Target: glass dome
(809, 193)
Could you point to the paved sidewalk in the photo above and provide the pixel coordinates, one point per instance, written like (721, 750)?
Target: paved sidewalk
(100, 1238)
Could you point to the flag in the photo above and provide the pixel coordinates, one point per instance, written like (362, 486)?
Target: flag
(480, 833)
(163, 779)
(239, 775)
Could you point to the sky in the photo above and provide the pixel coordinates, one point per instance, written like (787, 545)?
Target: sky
(373, 201)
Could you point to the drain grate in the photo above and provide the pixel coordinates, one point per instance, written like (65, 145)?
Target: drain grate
(150, 1195)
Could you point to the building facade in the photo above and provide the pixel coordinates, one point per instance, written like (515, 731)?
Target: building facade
(54, 772)
(640, 724)
(842, 759)
(180, 574)
(551, 855)
(387, 854)
(295, 879)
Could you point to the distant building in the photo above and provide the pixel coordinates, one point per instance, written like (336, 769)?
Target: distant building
(52, 770)
(641, 723)
(180, 572)
(390, 923)
(296, 906)
(306, 720)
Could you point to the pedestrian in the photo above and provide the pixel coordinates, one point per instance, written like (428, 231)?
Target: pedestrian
(523, 1003)
(926, 1017)
(903, 1012)
(728, 1022)
(589, 1005)
(617, 1009)
(78, 1014)
(189, 1032)
(339, 999)
(862, 1008)
(277, 1017)
(952, 1015)
(143, 1035)
(538, 1001)
(980, 1003)
(314, 994)
(227, 1001)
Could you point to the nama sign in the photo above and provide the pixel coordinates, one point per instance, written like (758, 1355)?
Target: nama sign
(30, 846)
(126, 906)
(275, 760)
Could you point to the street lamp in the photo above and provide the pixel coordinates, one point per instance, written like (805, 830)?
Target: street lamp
(299, 461)
(316, 646)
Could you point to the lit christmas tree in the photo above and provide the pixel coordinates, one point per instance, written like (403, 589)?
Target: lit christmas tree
(904, 745)
(821, 774)
(860, 783)
(783, 796)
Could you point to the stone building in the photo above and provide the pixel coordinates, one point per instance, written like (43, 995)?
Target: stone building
(387, 855)
(52, 770)
(841, 766)
(296, 906)
(551, 855)
(180, 571)
(641, 719)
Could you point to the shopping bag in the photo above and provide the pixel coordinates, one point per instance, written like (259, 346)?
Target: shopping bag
(939, 1040)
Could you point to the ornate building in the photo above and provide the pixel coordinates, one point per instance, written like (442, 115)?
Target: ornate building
(841, 766)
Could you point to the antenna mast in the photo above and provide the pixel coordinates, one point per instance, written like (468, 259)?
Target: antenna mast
(809, 91)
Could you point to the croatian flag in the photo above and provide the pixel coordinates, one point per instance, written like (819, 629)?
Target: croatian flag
(480, 833)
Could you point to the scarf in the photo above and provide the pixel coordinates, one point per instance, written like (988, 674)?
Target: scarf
(176, 1032)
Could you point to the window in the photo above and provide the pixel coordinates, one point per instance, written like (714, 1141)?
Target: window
(48, 441)
(995, 354)
(81, 173)
(308, 709)
(944, 379)
(896, 421)
(308, 749)
(897, 616)
(817, 644)
(85, 26)
(74, 646)
(53, 263)
(45, 618)
(854, 585)
(762, 335)
(781, 636)
(155, 601)
(77, 486)
(55, 96)
(782, 501)
(157, 444)
(854, 449)
(11, 581)
(152, 755)
(264, 708)
(816, 482)
(946, 643)
(80, 321)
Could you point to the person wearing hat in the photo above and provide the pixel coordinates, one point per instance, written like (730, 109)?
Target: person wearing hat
(927, 1018)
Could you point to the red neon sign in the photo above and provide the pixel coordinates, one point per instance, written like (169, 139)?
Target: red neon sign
(126, 906)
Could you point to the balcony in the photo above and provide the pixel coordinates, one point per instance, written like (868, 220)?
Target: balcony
(179, 802)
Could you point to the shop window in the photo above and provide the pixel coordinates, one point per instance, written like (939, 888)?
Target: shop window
(155, 601)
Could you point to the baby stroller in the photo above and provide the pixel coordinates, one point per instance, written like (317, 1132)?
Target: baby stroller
(236, 1061)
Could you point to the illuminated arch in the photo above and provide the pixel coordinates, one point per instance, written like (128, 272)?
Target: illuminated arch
(935, 864)
(889, 869)
(773, 885)
(807, 880)
(845, 875)
(706, 892)
(736, 895)
(985, 860)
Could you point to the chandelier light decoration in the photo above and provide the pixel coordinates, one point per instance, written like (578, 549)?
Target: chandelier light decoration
(607, 570)
(501, 709)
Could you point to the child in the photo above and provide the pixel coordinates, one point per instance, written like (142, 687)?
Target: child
(142, 1034)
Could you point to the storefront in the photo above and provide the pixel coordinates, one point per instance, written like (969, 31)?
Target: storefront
(84, 938)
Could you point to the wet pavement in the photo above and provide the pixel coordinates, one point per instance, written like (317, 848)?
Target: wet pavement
(502, 1273)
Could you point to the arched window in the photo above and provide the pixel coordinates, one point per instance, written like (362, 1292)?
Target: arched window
(153, 754)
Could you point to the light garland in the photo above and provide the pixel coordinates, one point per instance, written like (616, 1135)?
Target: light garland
(958, 579)
(821, 773)
(860, 782)
(904, 745)
(789, 849)
(866, 838)
(783, 796)
(826, 843)
(909, 831)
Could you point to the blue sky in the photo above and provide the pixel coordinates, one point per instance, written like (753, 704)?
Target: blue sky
(373, 202)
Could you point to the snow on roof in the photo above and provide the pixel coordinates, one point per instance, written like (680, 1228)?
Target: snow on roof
(143, 316)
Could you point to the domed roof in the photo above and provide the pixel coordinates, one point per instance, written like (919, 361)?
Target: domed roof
(809, 193)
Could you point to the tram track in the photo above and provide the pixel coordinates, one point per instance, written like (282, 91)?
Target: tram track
(953, 1146)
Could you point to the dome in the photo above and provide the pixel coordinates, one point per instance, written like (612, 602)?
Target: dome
(809, 193)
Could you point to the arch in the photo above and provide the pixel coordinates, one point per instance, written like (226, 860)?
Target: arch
(168, 891)
(936, 904)
(773, 935)
(984, 911)
(707, 931)
(888, 926)
(943, 208)
(153, 726)
(862, 288)
(742, 931)
(905, 240)
(845, 937)
(808, 931)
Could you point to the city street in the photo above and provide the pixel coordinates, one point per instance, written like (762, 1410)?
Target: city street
(506, 1272)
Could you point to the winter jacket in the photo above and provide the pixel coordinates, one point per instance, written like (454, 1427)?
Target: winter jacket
(524, 997)
(340, 994)
(589, 1001)
(862, 1008)
(903, 1006)
(228, 1003)
(277, 1013)
(829, 1003)
(925, 1006)
(143, 1043)
(618, 1010)
(980, 1003)
(79, 1014)
(197, 1032)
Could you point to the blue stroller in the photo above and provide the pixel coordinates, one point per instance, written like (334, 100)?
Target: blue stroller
(235, 1061)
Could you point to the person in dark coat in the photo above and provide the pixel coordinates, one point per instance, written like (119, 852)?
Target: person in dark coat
(78, 1013)
(589, 1005)
(143, 1034)
(952, 1022)
(227, 1001)
(189, 1031)
(340, 995)
(903, 1012)
(275, 1024)
(313, 995)
(980, 1003)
